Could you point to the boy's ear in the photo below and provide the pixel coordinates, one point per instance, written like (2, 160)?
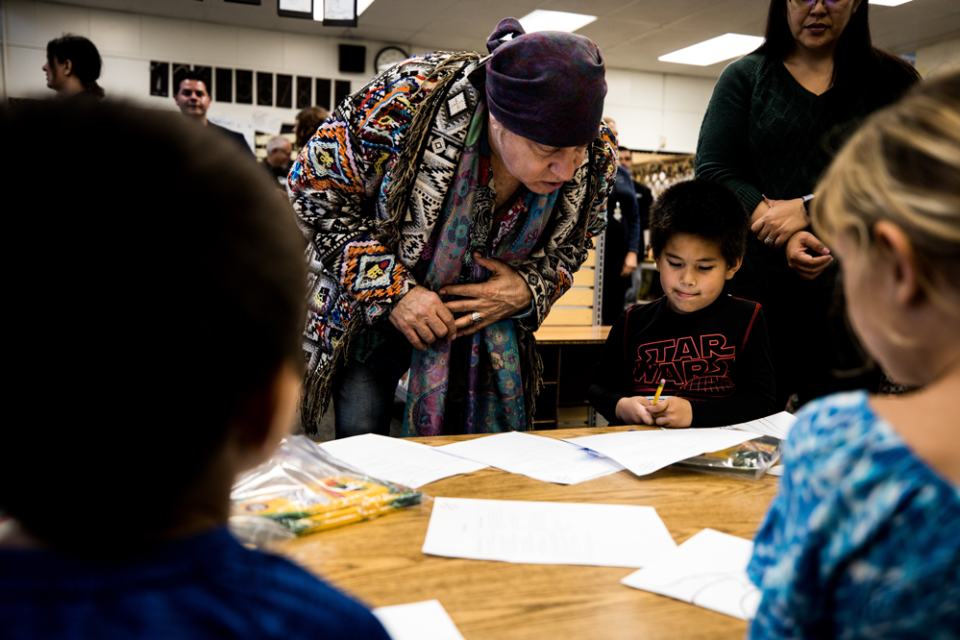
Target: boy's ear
(733, 268)
(264, 418)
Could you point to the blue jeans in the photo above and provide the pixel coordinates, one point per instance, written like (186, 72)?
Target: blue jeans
(363, 395)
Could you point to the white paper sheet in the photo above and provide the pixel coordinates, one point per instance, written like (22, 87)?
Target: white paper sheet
(775, 471)
(708, 570)
(407, 463)
(602, 535)
(778, 425)
(644, 452)
(537, 457)
(418, 621)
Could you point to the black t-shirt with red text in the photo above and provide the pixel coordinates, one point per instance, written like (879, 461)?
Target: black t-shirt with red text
(718, 358)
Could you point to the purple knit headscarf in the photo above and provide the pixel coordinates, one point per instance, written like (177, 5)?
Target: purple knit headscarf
(547, 86)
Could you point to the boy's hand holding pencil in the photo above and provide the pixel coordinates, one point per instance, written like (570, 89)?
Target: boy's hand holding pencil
(634, 410)
(671, 412)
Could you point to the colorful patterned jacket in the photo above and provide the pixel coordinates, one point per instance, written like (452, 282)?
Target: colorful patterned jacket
(370, 186)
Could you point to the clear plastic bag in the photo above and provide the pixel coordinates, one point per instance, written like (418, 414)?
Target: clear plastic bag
(751, 459)
(302, 489)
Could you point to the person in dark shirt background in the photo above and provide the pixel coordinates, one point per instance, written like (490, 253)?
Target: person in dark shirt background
(621, 240)
(73, 67)
(193, 99)
(776, 118)
(277, 163)
(711, 350)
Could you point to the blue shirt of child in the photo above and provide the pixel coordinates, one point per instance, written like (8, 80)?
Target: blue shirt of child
(206, 586)
(863, 539)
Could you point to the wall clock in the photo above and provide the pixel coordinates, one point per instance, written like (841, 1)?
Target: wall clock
(387, 57)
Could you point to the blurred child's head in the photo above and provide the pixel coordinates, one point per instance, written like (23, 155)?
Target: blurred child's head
(154, 311)
(890, 204)
(698, 230)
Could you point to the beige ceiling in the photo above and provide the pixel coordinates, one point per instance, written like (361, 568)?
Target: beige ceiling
(631, 33)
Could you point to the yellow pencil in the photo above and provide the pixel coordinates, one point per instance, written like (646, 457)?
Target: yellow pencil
(663, 381)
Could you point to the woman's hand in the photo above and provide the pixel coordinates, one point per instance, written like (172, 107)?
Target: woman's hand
(807, 267)
(634, 410)
(782, 219)
(422, 318)
(504, 295)
(629, 264)
(672, 412)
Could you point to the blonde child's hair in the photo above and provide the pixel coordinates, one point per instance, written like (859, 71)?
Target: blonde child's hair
(903, 166)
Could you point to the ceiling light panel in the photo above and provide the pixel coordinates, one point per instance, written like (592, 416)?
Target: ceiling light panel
(541, 20)
(703, 54)
(889, 3)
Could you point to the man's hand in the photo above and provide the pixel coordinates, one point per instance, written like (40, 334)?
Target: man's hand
(634, 410)
(783, 219)
(629, 264)
(504, 295)
(422, 318)
(672, 412)
(807, 266)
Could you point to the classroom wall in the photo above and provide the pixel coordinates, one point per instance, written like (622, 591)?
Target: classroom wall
(656, 111)
(943, 56)
(653, 110)
(128, 42)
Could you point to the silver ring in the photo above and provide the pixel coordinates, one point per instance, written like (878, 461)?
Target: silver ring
(476, 317)
(768, 241)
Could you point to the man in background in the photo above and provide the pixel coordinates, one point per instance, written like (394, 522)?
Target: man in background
(278, 160)
(73, 67)
(193, 98)
(622, 240)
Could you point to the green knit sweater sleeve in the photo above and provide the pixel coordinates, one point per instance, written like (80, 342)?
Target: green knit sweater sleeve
(723, 146)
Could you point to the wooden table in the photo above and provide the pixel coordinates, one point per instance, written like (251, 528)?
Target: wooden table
(380, 561)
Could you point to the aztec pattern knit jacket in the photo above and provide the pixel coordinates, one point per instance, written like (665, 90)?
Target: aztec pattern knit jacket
(369, 190)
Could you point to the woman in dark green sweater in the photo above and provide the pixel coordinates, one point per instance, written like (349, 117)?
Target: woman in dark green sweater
(776, 118)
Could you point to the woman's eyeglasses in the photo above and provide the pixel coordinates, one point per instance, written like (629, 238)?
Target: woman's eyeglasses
(829, 4)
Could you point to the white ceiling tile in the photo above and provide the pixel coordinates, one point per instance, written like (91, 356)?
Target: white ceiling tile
(593, 8)
(608, 33)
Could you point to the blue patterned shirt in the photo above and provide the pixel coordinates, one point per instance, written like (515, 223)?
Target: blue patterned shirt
(863, 540)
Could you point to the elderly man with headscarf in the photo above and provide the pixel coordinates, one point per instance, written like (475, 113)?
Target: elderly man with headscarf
(447, 205)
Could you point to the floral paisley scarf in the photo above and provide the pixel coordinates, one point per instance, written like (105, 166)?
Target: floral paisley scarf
(473, 384)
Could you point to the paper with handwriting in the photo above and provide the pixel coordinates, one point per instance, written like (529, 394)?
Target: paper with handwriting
(604, 535)
(708, 570)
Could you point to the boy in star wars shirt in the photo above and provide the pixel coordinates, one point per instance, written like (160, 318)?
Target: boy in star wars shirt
(711, 349)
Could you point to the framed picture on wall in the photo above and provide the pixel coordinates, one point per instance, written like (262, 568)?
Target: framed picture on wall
(224, 80)
(284, 91)
(160, 79)
(323, 93)
(341, 91)
(244, 86)
(207, 74)
(179, 68)
(264, 89)
(304, 92)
